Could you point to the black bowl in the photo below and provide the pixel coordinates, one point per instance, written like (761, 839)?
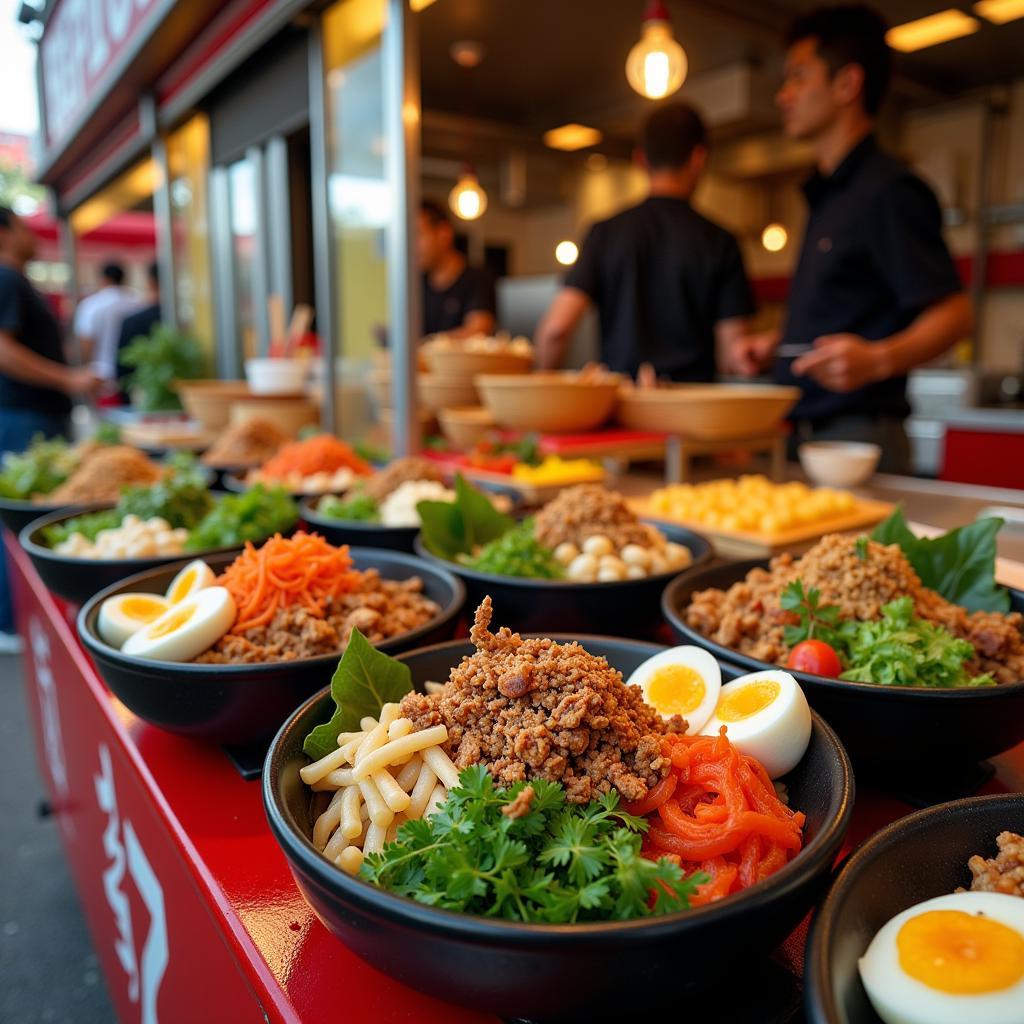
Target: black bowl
(77, 579)
(351, 531)
(916, 858)
(237, 482)
(546, 972)
(621, 608)
(881, 726)
(16, 514)
(242, 703)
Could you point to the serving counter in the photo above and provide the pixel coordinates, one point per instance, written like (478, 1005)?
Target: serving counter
(191, 906)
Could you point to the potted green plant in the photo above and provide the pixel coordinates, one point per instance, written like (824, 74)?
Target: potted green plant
(157, 360)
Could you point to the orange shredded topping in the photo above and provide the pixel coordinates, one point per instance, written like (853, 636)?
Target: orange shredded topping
(323, 453)
(302, 569)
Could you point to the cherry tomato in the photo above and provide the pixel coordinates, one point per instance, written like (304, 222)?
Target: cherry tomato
(816, 657)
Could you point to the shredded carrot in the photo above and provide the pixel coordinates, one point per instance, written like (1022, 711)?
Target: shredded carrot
(717, 812)
(323, 453)
(299, 570)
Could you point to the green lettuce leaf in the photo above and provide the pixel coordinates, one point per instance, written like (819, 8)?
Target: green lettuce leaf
(365, 680)
(455, 528)
(960, 565)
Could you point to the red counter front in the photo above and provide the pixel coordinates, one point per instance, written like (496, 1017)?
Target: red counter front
(192, 909)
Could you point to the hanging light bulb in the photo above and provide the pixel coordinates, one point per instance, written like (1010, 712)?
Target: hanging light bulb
(467, 200)
(656, 66)
(774, 237)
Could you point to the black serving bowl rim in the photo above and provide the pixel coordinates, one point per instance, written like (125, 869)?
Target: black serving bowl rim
(474, 927)
(309, 514)
(819, 989)
(573, 585)
(670, 609)
(96, 644)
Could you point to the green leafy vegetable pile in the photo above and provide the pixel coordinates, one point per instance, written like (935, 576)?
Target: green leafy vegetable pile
(360, 507)
(460, 527)
(237, 518)
(39, 469)
(559, 863)
(516, 553)
(960, 565)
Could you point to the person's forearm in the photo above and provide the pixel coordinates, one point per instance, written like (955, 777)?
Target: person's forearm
(550, 347)
(935, 331)
(29, 367)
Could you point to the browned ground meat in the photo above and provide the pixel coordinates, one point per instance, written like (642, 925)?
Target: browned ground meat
(245, 444)
(412, 467)
(748, 618)
(379, 609)
(586, 510)
(1005, 871)
(103, 472)
(535, 709)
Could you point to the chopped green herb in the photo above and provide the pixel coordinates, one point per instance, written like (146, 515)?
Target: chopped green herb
(516, 553)
(817, 621)
(256, 514)
(861, 546)
(360, 507)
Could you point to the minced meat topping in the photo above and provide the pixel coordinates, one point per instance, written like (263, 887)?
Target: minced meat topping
(536, 709)
(1004, 872)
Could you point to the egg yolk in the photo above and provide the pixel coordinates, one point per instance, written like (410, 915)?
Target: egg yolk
(142, 609)
(183, 586)
(959, 953)
(173, 622)
(747, 700)
(675, 689)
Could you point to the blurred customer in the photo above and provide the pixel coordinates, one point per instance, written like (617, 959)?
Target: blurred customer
(35, 381)
(875, 292)
(458, 299)
(98, 320)
(668, 283)
(139, 324)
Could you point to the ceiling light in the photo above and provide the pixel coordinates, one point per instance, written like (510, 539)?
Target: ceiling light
(566, 253)
(930, 31)
(467, 200)
(999, 12)
(774, 237)
(467, 53)
(656, 66)
(419, 5)
(572, 136)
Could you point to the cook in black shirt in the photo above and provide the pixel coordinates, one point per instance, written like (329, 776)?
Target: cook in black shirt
(875, 292)
(668, 283)
(458, 299)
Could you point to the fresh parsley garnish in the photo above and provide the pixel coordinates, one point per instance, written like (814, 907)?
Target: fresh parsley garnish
(861, 547)
(817, 621)
(558, 863)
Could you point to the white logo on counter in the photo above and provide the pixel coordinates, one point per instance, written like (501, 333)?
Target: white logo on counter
(144, 985)
(53, 743)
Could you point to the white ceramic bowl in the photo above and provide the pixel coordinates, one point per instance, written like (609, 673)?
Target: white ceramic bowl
(839, 463)
(276, 376)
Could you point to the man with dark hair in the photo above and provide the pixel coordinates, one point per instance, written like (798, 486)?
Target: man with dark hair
(141, 323)
(668, 283)
(458, 299)
(875, 292)
(35, 381)
(98, 319)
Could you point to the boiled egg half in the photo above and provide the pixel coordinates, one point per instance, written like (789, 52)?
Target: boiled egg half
(187, 628)
(194, 577)
(951, 960)
(766, 715)
(125, 614)
(681, 681)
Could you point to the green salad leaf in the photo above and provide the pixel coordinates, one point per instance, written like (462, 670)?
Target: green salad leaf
(960, 565)
(236, 518)
(558, 863)
(458, 528)
(41, 468)
(88, 525)
(360, 507)
(516, 553)
(365, 680)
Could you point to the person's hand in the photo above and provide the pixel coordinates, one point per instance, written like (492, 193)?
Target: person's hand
(752, 353)
(841, 362)
(81, 380)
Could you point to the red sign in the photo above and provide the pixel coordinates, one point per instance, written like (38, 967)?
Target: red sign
(81, 43)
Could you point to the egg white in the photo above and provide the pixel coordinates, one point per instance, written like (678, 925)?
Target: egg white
(777, 735)
(115, 626)
(203, 577)
(695, 658)
(901, 999)
(212, 615)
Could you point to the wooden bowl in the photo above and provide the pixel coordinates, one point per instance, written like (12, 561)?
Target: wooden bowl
(464, 427)
(209, 401)
(707, 412)
(442, 392)
(466, 364)
(289, 414)
(552, 403)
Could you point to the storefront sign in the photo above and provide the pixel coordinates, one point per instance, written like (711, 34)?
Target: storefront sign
(81, 43)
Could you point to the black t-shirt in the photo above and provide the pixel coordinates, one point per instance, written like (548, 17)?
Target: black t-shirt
(472, 291)
(873, 259)
(662, 276)
(25, 315)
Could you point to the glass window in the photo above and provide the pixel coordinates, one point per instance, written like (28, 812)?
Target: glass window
(242, 187)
